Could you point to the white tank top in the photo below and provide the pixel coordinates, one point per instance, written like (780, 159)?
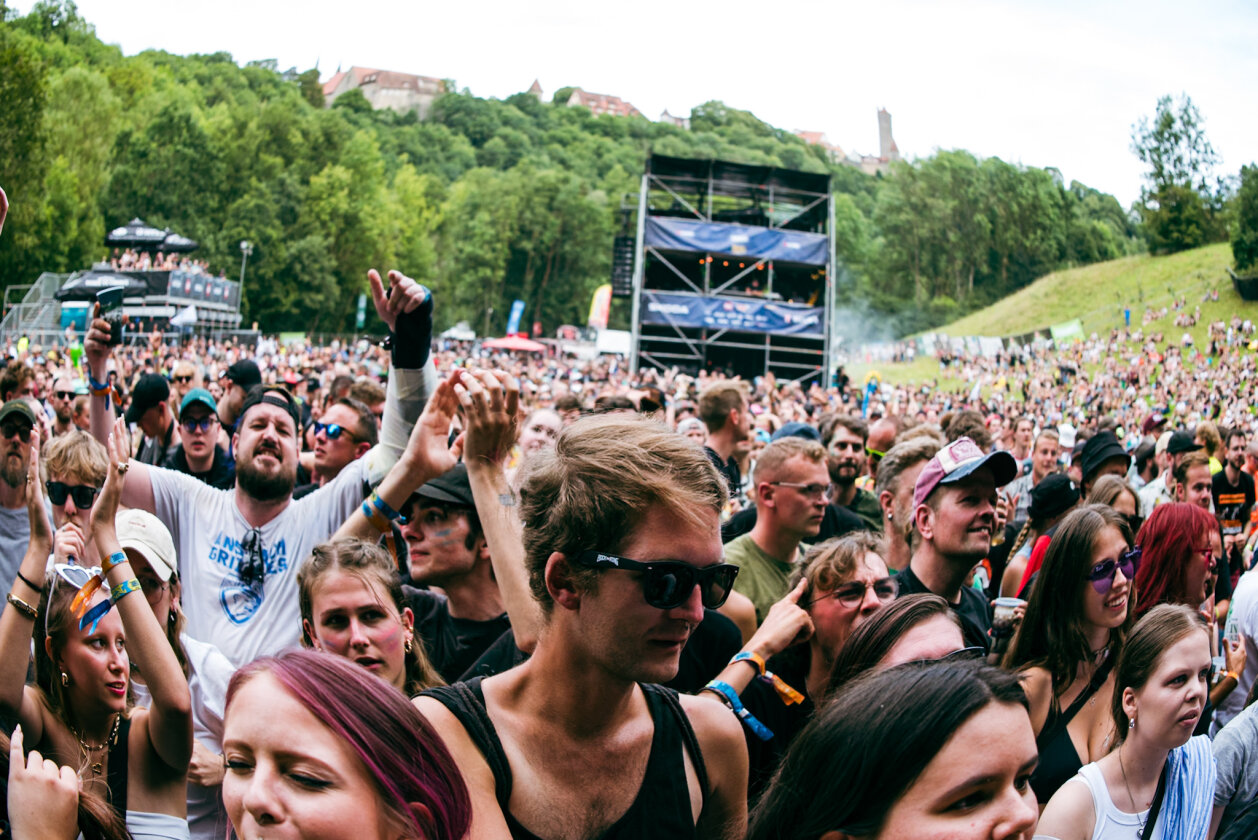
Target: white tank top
(1111, 823)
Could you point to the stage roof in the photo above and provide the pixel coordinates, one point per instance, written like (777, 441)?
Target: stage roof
(739, 179)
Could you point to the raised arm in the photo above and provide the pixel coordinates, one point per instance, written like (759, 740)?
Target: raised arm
(170, 714)
(426, 456)
(491, 408)
(18, 620)
(101, 409)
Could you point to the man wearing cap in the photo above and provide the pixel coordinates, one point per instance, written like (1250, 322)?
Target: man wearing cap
(239, 549)
(345, 432)
(198, 453)
(149, 411)
(236, 381)
(1162, 488)
(447, 549)
(17, 419)
(954, 517)
(1102, 455)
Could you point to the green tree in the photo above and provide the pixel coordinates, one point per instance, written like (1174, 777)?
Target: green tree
(1245, 223)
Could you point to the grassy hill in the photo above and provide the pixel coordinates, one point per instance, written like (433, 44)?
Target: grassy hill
(1097, 295)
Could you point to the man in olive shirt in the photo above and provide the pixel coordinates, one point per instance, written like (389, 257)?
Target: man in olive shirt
(792, 487)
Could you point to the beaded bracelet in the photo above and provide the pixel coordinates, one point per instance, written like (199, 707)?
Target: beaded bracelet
(749, 720)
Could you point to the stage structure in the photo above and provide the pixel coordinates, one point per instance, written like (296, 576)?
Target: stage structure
(733, 270)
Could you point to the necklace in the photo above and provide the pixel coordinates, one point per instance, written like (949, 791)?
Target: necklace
(1123, 768)
(89, 749)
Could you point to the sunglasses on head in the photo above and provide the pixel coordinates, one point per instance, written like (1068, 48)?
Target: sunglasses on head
(22, 430)
(333, 430)
(83, 494)
(1102, 574)
(85, 581)
(668, 583)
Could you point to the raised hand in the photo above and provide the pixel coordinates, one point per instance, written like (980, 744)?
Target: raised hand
(405, 295)
(96, 345)
(491, 408)
(118, 448)
(41, 529)
(786, 624)
(428, 441)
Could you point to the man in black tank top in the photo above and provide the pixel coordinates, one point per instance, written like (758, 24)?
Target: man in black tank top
(578, 742)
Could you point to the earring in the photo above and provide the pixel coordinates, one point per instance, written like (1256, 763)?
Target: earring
(65, 679)
(1131, 724)
(408, 644)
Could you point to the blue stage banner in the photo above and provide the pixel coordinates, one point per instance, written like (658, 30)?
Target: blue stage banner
(739, 240)
(513, 320)
(724, 313)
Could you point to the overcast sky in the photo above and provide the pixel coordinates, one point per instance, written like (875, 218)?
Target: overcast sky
(1042, 83)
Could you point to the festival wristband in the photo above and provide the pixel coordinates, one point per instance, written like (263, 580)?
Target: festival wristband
(376, 519)
(383, 507)
(749, 720)
(756, 660)
(124, 589)
(115, 559)
(99, 389)
(788, 694)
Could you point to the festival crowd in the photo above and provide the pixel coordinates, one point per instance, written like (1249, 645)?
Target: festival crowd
(421, 590)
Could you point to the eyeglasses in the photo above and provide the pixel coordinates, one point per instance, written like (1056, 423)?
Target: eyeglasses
(63, 395)
(181, 380)
(151, 586)
(194, 425)
(874, 453)
(812, 491)
(22, 430)
(253, 565)
(83, 494)
(1102, 574)
(667, 584)
(853, 594)
(333, 430)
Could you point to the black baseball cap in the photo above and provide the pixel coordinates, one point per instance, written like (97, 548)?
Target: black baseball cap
(1098, 449)
(1182, 441)
(18, 407)
(151, 390)
(244, 373)
(451, 487)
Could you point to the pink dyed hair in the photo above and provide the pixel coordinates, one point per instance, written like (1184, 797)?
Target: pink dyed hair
(401, 752)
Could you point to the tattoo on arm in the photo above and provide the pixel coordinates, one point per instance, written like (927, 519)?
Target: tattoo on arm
(506, 499)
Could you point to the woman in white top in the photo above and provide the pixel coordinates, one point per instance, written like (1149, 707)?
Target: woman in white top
(1159, 782)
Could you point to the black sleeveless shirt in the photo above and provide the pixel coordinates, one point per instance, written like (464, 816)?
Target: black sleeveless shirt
(661, 810)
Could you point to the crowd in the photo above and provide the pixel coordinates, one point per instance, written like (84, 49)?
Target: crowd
(420, 589)
(129, 259)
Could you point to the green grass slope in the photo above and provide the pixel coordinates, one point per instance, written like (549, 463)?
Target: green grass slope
(1096, 295)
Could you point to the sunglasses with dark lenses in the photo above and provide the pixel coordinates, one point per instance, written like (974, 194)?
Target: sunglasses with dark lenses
(182, 380)
(667, 584)
(22, 430)
(194, 425)
(1103, 573)
(83, 494)
(253, 564)
(63, 395)
(333, 430)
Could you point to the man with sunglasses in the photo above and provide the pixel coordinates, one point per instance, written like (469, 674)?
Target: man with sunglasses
(198, 453)
(345, 432)
(17, 419)
(61, 402)
(239, 550)
(622, 545)
(150, 411)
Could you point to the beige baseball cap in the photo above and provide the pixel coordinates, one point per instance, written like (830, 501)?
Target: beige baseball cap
(143, 532)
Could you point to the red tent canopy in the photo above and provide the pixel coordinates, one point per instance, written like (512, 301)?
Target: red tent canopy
(515, 342)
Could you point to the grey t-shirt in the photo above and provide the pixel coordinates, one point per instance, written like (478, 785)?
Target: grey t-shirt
(1236, 762)
(15, 535)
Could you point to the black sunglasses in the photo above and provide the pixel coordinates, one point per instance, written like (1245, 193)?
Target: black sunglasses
(182, 380)
(667, 584)
(333, 430)
(22, 430)
(193, 425)
(63, 395)
(83, 494)
(253, 566)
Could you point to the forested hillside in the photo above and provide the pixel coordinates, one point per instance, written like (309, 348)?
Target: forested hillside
(485, 201)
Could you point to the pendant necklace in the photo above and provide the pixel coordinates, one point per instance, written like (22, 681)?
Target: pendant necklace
(90, 749)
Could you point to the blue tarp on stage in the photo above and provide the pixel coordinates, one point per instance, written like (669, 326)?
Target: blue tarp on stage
(739, 240)
(723, 313)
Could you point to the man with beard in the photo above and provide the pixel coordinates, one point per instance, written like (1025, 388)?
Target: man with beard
(239, 549)
(845, 438)
(954, 515)
(61, 401)
(16, 421)
(1233, 492)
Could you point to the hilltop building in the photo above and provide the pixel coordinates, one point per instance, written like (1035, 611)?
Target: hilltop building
(386, 89)
(601, 103)
(888, 152)
(680, 122)
(535, 90)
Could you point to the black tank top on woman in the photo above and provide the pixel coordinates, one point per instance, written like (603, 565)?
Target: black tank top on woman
(660, 811)
(1059, 760)
(116, 775)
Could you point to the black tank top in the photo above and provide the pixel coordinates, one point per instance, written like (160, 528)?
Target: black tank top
(660, 811)
(116, 776)
(1059, 760)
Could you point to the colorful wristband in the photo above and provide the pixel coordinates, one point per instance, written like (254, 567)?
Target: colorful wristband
(124, 589)
(112, 560)
(754, 658)
(749, 720)
(99, 389)
(376, 519)
(385, 511)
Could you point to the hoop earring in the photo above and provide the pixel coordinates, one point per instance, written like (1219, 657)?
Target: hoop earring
(65, 680)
